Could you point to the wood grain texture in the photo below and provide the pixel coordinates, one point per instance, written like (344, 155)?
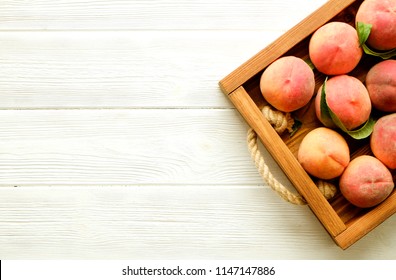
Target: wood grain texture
(153, 14)
(361, 225)
(174, 222)
(100, 147)
(123, 69)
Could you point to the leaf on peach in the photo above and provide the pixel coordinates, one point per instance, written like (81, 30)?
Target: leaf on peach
(363, 30)
(324, 108)
(328, 115)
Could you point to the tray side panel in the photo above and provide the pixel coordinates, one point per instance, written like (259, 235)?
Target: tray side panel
(287, 162)
(366, 223)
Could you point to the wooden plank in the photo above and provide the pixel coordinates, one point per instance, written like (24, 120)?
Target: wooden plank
(287, 162)
(151, 69)
(152, 14)
(121, 147)
(176, 222)
(284, 43)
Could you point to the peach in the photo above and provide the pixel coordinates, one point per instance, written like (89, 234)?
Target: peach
(381, 14)
(348, 99)
(334, 48)
(383, 140)
(381, 85)
(288, 83)
(366, 182)
(323, 153)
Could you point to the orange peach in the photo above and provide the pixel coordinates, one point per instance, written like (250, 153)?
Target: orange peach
(323, 153)
(381, 14)
(348, 99)
(334, 48)
(288, 83)
(366, 182)
(381, 85)
(383, 140)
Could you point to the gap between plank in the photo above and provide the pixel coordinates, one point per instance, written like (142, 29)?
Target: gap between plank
(114, 108)
(148, 185)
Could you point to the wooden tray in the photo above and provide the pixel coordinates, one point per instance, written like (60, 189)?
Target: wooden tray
(345, 223)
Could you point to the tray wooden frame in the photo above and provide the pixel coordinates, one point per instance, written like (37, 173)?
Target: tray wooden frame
(345, 223)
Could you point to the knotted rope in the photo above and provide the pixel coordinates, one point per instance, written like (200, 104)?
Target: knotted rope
(280, 121)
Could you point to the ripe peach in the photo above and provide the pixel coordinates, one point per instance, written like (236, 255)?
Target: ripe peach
(366, 182)
(381, 85)
(334, 48)
(348, 99)
(381, 14)
(288, 83)
(323, 153)
(383, 140)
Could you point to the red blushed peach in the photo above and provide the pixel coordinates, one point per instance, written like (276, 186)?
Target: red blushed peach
(323, 153)
(381, 14)
(381, 85)
(348, 99)
(366, 182)
(334, 48)
(288, 83)
(383, 140)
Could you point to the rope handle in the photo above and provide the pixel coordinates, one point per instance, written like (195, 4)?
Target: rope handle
(280, 121)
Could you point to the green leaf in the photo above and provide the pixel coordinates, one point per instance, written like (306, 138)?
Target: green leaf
(324, 109)
(360, 133)
(383, 55)
(363, 31)
(296, 126)
(365, 131)
(329, 118)
(310, 64)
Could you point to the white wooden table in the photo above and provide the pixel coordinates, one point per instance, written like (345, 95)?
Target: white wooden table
(116, 141)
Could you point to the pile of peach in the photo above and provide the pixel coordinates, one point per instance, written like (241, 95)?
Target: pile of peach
(344, 104)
